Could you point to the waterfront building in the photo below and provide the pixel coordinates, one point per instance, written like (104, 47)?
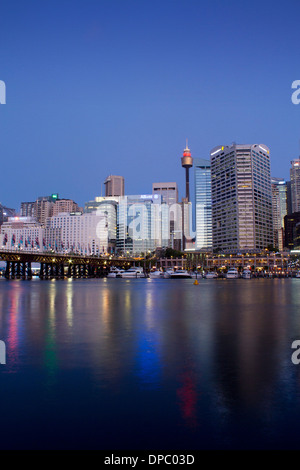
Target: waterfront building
(295, 184)
(114, 186)
(241, 198)
(22, 233)
(85, 234)
(279, 207)
(292, 231)
(203, 204)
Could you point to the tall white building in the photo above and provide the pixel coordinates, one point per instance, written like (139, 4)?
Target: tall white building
(279, 204)
(241, 198)
(295, 185)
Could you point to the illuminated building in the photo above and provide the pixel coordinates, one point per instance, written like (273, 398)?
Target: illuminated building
(241, 198)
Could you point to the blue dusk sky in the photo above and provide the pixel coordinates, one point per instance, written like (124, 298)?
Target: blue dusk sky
(99, 87)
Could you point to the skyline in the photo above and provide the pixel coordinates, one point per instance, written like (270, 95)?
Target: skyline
(89, 94)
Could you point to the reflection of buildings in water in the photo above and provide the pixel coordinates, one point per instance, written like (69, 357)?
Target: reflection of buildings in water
(188, 397)
(13, 339)
(248, 344)
(69, 302)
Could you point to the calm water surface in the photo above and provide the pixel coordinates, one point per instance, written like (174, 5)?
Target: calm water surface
(149, 364)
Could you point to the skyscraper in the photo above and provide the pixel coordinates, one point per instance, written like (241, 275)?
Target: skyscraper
(241, 198)
(295, 185)
(114, 186)
(203, 204)
(279, 205)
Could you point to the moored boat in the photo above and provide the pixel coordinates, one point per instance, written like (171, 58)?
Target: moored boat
(180, 274)
(115, 272)
(211, 275)
(133, 273)
(232, 273)
(156, 275)
(246, 274)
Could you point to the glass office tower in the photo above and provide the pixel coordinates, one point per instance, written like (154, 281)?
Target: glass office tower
(203, 204)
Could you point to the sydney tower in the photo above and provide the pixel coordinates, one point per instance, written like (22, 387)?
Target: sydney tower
(187, 163)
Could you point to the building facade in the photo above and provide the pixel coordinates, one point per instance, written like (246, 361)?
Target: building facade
(142, 224)
(64, 205)
(22, 233)
(203, 216)
(241, 198)
(292, 231)
(279, 207)
(114, 186)
(84, 234)
(295, 185)
(167, 191)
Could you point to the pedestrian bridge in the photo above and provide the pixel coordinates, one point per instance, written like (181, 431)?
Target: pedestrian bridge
(58, 266)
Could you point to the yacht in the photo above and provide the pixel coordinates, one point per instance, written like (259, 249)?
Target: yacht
(156, 275)
(180, 274)
(133, 273)
(168, 273)
(246, 274)
(115, 272)
(232, 273)
(211, 275)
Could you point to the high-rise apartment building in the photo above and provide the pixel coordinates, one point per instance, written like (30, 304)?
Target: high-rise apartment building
(114, 186)
(295, 185)
(27, 209)
(241, 198)
(203, 204)
(64, 205)
(279, 206)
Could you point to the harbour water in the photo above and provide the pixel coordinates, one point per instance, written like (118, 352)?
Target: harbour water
(149, 364)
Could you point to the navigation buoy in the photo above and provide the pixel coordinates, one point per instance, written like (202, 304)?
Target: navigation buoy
(196, 283)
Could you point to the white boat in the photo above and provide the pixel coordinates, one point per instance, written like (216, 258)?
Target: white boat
(168, 273)
(133, 273)
(180, 274)
(246, 274)
(211, 275)
(232, 273)
(156, 275)
(115, 272)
